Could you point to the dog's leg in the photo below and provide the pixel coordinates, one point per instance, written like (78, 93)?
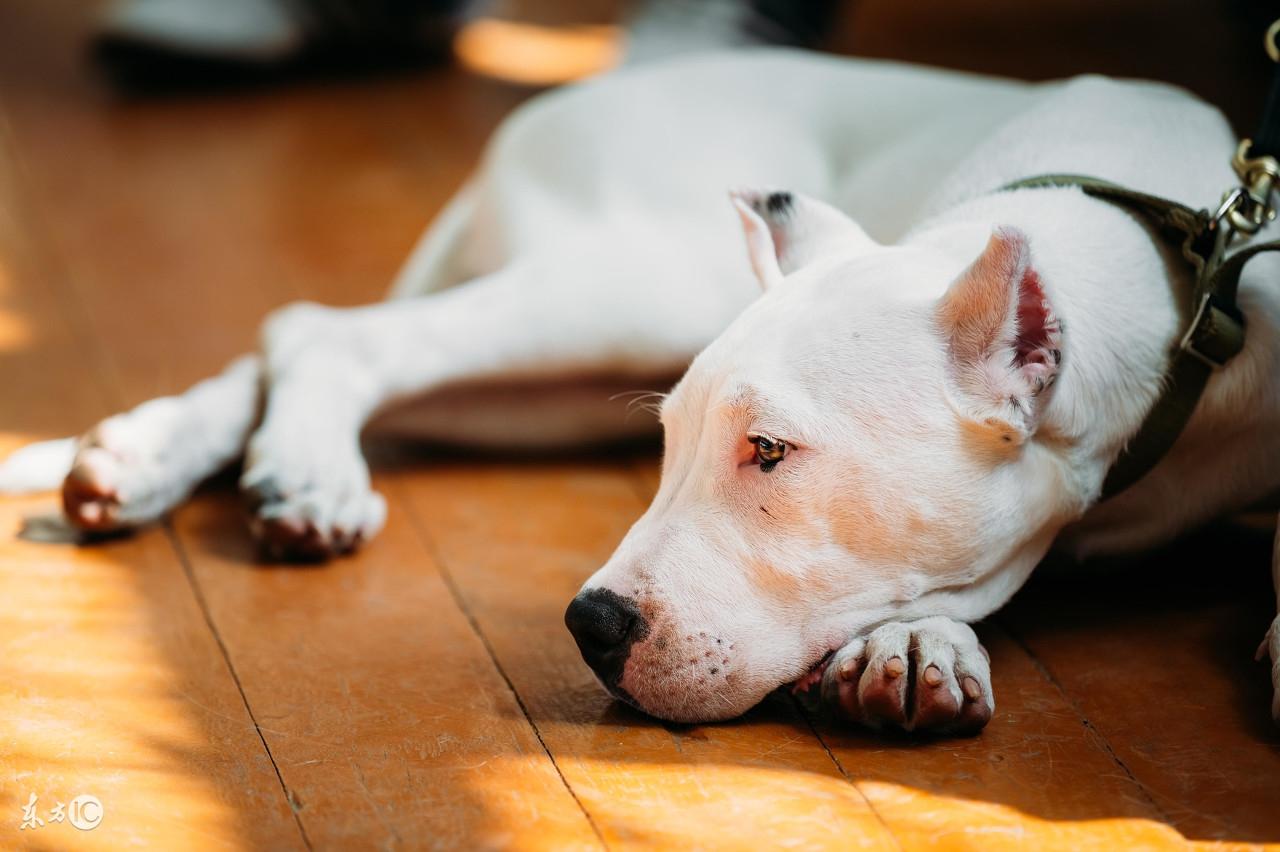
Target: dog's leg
(132, 468)
(929, 675)
(1270, 646)
(330, 370)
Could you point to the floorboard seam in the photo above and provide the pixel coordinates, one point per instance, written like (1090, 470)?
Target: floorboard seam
(845, 772)
(1088, 724)
(226, 656)
(424, 536)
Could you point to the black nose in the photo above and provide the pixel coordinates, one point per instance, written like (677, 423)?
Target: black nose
(605, 625)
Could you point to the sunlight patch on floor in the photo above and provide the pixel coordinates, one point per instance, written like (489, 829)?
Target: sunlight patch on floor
(10, 441)
(90, 705)
(15, 330)
(920, 819)
(748, 807)
(534, 55)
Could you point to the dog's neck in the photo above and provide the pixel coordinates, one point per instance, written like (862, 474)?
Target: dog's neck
(1116, 288)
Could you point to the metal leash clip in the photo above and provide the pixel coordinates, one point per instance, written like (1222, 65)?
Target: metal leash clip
(1247, 208)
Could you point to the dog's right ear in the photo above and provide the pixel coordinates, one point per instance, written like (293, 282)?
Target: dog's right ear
(786, 230)
(1003, 337)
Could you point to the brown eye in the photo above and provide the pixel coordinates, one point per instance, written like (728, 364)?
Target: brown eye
(769, 450)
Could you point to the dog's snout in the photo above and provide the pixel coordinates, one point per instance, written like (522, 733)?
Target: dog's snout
(605, 625)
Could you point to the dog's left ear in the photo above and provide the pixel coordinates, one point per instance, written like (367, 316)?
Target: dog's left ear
(1003, 337)
(786, 230)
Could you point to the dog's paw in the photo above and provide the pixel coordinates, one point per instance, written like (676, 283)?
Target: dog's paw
(130, 469)
(310, 498)
(1270, 647)
(930, 675)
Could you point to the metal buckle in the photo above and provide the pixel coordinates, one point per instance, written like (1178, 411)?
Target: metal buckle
(1247, 208)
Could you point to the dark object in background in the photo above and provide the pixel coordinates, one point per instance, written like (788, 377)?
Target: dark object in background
(658, 28)
(160, 45)
(802, 23)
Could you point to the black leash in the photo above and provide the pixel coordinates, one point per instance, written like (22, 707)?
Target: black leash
(1266, 141)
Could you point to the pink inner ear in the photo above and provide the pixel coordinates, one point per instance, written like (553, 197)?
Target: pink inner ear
(1036, 325)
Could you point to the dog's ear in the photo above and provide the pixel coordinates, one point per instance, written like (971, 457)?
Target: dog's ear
(786, 230)
(1003, 337)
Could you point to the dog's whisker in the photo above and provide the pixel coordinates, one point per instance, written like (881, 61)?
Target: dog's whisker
(642, 400)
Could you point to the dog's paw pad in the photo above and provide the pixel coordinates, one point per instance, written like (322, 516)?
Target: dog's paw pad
(929, 676)
(90, 492)
(937, 701)
(315, 520)
(131, 468)
(882, 692)
(291, 540)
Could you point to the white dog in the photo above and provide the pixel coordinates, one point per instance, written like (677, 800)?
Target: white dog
(873, 453)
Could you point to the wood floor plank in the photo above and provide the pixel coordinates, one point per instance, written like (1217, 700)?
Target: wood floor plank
(111, 682)
(517, 541)
(382, 708)
(113, 686)
(1036, 776)
(1157, 652)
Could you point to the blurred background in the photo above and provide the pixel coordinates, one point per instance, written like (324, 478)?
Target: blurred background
(162, 154)
(181, 45)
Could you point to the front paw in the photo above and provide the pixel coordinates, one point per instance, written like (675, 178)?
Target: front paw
(309, 499)
(132, 468)
(930, 675)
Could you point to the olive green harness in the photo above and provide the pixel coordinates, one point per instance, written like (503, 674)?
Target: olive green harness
(1215, 333)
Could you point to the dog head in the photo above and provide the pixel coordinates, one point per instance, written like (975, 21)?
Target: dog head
(865, 443)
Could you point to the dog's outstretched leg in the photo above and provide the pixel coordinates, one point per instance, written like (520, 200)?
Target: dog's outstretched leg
(330, 370)
(1270, 646)
(133, 467)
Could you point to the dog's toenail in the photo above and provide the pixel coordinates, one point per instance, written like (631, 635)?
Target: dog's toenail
(895, 668)
(848, 669)
(972, 690)
(933, 675)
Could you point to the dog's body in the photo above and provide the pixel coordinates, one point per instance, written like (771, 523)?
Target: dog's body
(935, 421)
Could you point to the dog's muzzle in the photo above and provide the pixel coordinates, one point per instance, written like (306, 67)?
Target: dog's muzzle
(605, 625)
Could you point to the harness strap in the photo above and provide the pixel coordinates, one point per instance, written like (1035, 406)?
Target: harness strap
(1214, 335)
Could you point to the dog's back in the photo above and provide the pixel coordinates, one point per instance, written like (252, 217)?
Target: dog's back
(888, 143)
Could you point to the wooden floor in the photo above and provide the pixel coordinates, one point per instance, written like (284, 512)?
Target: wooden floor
(425, 692)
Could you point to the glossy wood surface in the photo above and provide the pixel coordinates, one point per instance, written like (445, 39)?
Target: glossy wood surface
(425, 693)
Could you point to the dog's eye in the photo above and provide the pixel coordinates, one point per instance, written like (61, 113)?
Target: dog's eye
(769, 450)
